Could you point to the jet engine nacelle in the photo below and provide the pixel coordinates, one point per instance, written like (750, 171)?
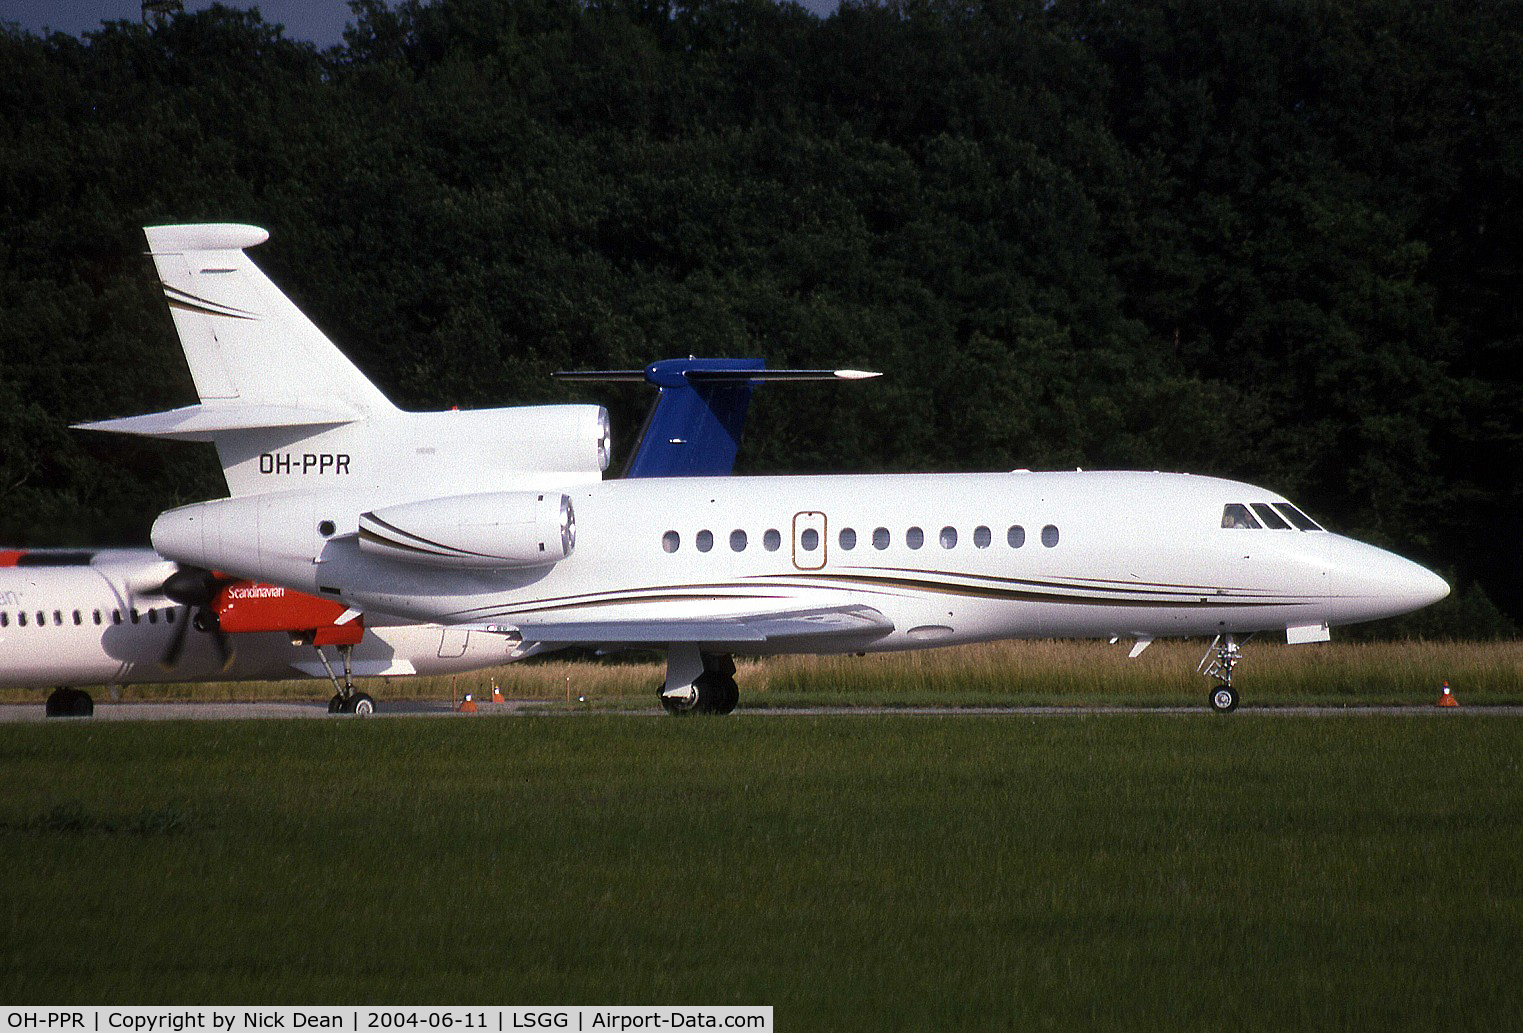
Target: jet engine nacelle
(492, 530)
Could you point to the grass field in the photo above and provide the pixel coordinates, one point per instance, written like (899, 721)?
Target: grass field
(995, 673)
(1180, 872)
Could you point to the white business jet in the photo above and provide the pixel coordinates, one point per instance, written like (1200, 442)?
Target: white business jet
(501, 519)
(115, 617)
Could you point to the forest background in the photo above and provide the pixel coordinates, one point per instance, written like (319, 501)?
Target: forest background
(1275, 240)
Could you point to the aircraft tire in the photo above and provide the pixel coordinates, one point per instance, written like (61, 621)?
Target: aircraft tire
(727, 695)
(716, 694)
(69, 703)
(336, 704)
(361, 705)
(1224, 699)
(676, 707)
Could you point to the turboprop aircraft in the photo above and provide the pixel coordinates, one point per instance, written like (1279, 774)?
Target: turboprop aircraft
(501, 519)
(114, 617)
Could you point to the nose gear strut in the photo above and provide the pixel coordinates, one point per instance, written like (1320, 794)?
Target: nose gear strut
(1221, 658)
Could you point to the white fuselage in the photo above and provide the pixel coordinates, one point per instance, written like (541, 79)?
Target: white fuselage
(1095, 554)
(86, 625)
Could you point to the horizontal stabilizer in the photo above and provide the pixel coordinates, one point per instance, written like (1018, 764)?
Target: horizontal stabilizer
(637, 376)
(205, 422)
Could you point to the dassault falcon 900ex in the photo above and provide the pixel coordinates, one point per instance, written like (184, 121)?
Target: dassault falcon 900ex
(502, 519)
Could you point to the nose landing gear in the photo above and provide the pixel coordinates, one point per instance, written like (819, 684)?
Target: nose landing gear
(1221, 658)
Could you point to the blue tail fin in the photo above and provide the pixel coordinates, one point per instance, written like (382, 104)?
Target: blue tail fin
(694, 428)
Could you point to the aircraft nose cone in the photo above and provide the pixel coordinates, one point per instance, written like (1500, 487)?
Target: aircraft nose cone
(1425, 587)
(1383, 584)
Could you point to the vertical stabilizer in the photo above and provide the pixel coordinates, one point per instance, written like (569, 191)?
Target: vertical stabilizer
(245, 342)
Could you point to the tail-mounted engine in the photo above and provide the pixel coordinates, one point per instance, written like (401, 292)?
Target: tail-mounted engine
(493, 530)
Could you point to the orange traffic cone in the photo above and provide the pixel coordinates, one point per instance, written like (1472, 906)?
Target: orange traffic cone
(497, 694)
(1446, 699)
(469, 706)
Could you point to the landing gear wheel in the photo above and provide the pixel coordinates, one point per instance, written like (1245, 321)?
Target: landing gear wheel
(69, 703)
(1224, 699)
(359, 704)
(726, 696)
(712, 693)
(677, 706)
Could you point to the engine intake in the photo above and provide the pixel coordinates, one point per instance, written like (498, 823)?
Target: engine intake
(492, 530)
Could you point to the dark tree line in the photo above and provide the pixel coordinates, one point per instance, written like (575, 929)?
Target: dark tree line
(1275, 239)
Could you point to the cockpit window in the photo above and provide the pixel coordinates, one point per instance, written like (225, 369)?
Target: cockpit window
(1271, 519)
(1236, 515)
(1295, 516)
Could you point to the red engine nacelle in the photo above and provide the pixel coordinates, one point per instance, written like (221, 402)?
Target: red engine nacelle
(251, 606)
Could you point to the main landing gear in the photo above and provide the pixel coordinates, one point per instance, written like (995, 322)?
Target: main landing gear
(64, 702)
(1221, 658)
(698, 682)
(345, 700)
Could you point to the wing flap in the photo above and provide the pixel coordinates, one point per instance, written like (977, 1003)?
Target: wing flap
(817, 624)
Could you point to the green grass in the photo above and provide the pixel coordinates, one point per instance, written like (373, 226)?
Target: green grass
(858, 873)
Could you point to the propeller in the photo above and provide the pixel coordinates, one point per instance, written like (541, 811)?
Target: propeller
(194, 588)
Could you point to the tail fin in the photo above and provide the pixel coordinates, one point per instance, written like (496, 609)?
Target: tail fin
(244, 339)
(258, 363)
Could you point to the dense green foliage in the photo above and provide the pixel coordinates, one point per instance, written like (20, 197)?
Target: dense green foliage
(1275, 239)
(860, 873)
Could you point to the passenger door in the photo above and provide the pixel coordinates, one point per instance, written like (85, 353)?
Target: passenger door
(809, 540)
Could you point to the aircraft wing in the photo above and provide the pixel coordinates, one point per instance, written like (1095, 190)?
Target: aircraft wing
(819, 624)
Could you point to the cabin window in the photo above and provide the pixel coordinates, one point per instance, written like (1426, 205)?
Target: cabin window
(1016, 536)
(136, 617)
(21, 618)
(5, 619)
(810, 539)
(1235, 514)
(97, 618)
(704, 541)
(948, 538)
(42, 619)
(671, 541)
(848, 539)
(772, 540)
(1271, 519)
(58, 618)
(880, 538)
(116, 616)
(1049, 536)
(78, 618)
(982, 537)
(1295, 516)
(737, 541)
(153, 616)
(914, 538)
(170, 614)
